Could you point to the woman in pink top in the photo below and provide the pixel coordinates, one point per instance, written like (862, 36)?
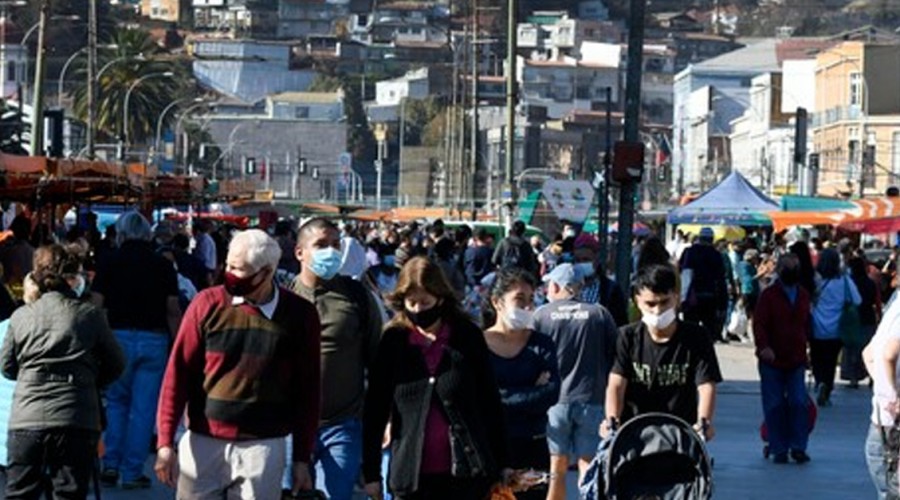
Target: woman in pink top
(432, 379)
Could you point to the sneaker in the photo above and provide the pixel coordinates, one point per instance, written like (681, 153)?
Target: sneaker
(141, 483)
(821, 395)
(109, 478)
(800, 456)
(780, 458)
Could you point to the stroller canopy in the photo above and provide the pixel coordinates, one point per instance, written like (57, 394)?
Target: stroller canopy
(656, 455)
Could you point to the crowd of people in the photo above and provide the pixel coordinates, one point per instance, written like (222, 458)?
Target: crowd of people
(411, 361)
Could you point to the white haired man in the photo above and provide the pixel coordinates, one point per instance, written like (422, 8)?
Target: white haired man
(246, 366)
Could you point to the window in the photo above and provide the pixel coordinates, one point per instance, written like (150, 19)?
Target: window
(301, 112)
(856, 89)
(11, 71)
(895, 153)
(362, 19)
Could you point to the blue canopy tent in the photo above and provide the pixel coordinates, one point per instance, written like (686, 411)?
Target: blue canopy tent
(732, 202)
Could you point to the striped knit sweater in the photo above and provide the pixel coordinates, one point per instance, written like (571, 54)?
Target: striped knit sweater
(242, 375)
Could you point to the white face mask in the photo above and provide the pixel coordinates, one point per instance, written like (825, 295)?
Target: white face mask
(519, 319)
(661, 321)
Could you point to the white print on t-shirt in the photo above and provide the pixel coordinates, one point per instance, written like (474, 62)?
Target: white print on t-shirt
(568, 313)
(666, 375)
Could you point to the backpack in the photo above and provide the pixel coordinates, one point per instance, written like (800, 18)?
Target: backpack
(512, 255)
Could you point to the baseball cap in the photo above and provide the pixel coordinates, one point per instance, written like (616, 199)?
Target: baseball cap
(587, 240)
(707, 233)
(564, 275)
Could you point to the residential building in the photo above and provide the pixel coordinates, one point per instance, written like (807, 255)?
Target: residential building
(15, 61)
(247, 70)
(254, 18)
(309, 106)
(656, 83)
(567, 83)
(402, 22)
(268, 146)
(550, 35)
(694, 48)
(174, 11)
(305, 18)
(762, 141)
(856, 129)
(413, 85)
(710, 95)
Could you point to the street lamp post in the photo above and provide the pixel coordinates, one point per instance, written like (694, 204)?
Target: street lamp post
(62, 74)
(162, 116)
(125, 138)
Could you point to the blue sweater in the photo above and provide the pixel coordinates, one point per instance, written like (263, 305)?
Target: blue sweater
(526, 404)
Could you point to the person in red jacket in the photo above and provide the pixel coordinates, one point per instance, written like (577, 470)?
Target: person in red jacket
(781, 325)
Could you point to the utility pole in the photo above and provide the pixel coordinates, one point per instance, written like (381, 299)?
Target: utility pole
(628, 188)
(91, 77)
(603, 205)
(37, 107)
(473, 172)
(509, 194)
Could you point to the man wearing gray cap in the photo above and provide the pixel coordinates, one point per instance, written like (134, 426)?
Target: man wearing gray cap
(585, 336)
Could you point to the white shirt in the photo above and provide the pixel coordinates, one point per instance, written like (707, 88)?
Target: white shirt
(267, 309)
(882, 393)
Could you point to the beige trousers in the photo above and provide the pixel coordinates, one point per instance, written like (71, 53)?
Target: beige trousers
(213, 468)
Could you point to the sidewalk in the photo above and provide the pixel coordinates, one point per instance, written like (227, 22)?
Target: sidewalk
(838, 468)
(837, 471)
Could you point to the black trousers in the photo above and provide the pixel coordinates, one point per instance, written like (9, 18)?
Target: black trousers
(57, 462)
(447, 487)
(708, 316)
(823, 356)
(530, 453)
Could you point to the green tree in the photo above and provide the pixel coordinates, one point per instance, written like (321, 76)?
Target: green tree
(136, 58)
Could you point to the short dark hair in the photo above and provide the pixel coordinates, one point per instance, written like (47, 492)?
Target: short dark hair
(658, 278)
(314, 224)
(518, 228)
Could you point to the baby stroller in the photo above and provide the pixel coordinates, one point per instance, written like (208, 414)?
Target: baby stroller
(652, 456)
(813, 414)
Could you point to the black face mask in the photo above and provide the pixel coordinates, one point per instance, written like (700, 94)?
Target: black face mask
(426, 318)
(790, 276)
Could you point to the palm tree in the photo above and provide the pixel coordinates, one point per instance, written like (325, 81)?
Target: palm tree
(136, 57)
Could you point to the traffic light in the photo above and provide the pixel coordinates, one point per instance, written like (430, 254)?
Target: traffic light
(315, 173)
(250, 166)
(661, 173)
(869, 155)
(814, 161)
(301, 166)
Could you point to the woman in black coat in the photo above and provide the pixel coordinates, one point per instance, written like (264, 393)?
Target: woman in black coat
(433, 381)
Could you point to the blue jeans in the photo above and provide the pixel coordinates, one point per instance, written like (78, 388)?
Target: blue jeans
(337, 459)
(784, 406)
(572, 429)
(131, 402)
(875, 463)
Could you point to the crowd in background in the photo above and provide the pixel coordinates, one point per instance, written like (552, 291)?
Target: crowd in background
(537, 319)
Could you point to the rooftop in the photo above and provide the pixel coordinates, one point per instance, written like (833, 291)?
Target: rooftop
(755, 58)
(308, 97)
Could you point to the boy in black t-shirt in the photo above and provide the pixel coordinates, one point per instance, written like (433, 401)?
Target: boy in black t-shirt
(662, 364)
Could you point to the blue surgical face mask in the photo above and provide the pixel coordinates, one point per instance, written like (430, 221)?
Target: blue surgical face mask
(585, 269)
(79, 287)
(326, 262)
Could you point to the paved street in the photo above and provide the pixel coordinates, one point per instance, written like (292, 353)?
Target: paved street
(837, 470)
